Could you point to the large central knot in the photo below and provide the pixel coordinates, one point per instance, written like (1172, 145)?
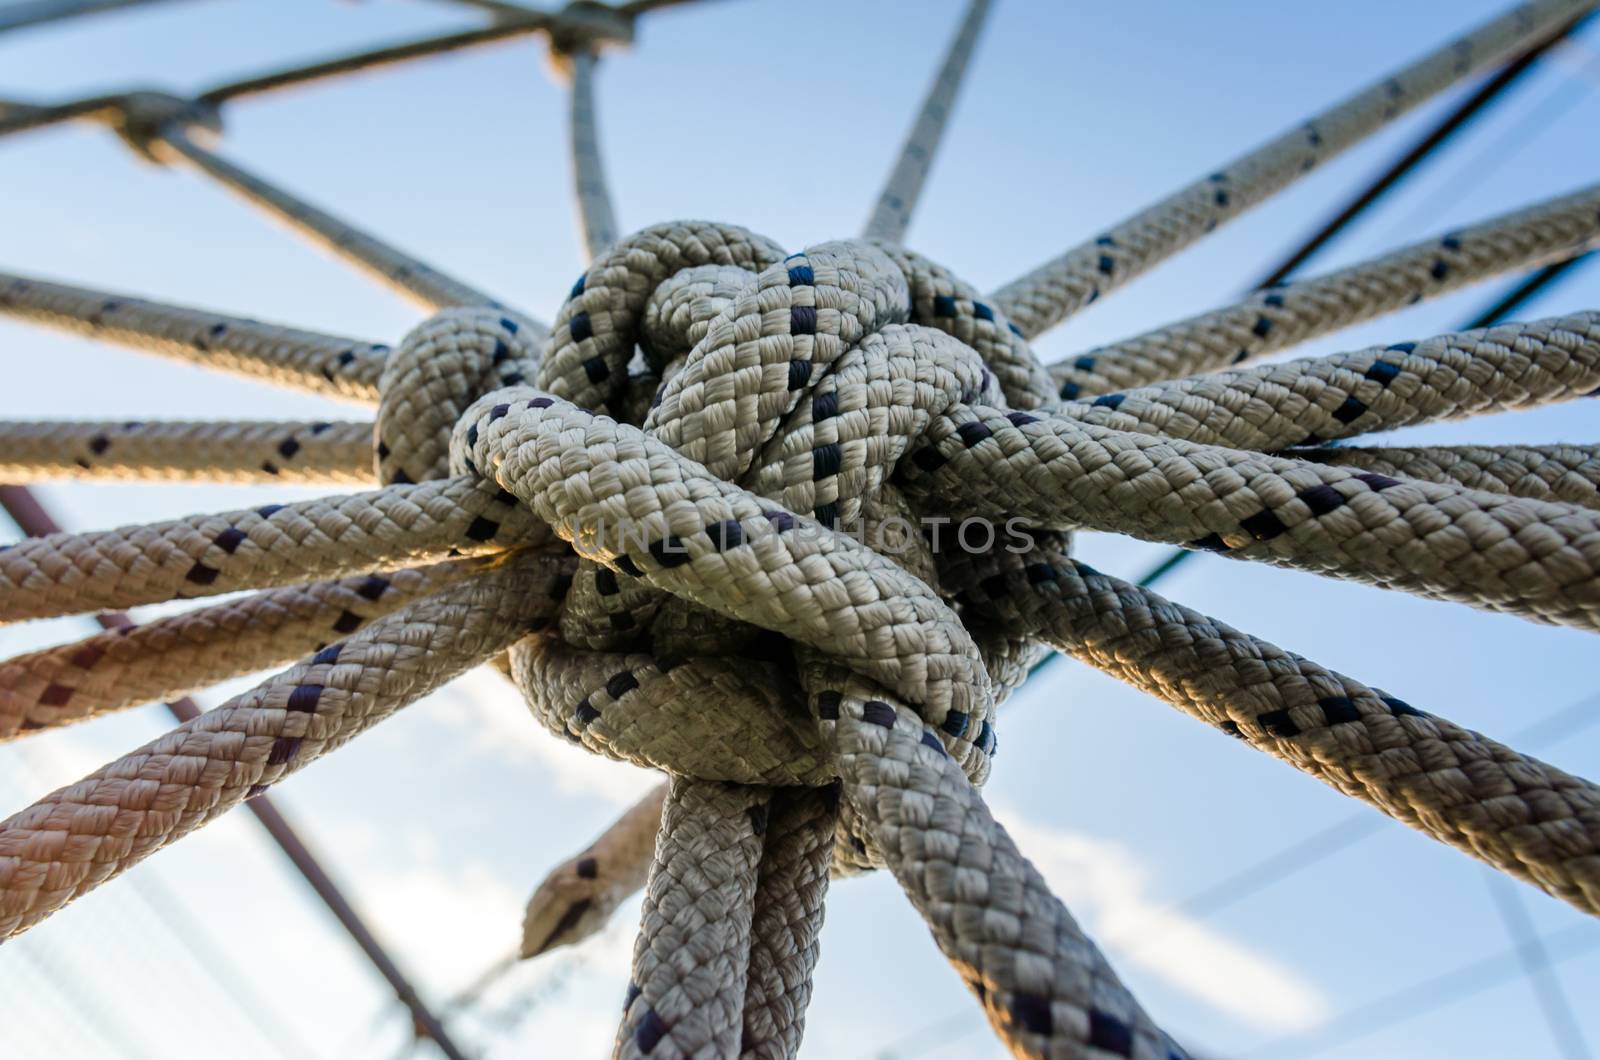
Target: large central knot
(714, 427)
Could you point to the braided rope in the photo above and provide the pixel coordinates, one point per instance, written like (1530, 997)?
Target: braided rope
(891, 215)
(1568, 473)
(1287, 314)
(1525, 817)
(76, 838)
(178, 654)
(226, 451)
(278, 544)
(1319, 399)
(597, 222)
(406, 275)
(1047, 295)
(723, 621)
(329, 365)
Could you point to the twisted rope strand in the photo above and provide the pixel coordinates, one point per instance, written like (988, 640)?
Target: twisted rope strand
(1282, 316)
(330, 365)
(78, 837)
(218, 451)
(1053, 291)
(179, 654)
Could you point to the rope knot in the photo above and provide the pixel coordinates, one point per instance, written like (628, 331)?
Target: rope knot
(715, 427)
(439, 368)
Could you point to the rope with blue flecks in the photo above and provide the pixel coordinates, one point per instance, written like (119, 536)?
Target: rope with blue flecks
(738, 640)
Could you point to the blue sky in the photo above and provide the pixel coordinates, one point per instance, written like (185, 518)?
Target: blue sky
(783, 117)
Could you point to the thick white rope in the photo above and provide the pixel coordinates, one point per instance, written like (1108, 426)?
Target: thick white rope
(1053, 291)
(891, 216)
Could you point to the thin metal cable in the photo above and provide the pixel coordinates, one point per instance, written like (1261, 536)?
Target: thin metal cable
(1431, 994)
(1565, 1034)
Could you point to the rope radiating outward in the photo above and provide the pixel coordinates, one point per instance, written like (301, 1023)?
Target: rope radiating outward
(1284, 315)
(892, 215)
(596, 219)
(335, 453)
(330, 365)
(697, 522)
(1053, 291)
(420, 282)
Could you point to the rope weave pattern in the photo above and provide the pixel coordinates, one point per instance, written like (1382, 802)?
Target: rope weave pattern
(891, 216)
(272, 451)
(718, 566)
(1053, 291)
(1291, 313)
(596, 219)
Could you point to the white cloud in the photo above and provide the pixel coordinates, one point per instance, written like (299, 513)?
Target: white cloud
(498, 724)
(1105, 885)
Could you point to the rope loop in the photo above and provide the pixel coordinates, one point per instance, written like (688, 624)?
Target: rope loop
(439, 368)
(748, 511)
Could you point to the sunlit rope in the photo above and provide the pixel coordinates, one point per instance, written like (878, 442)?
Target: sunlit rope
(668, 558)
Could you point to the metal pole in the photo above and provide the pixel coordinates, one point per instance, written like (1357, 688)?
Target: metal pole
(26, 511)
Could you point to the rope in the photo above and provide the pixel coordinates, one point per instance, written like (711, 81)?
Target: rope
(1567, 473)
(76, 838)
(408, 276)
(1319, 399)
(750, 592)
(892, 215)
(1505, 554)
(1283, 316)
(597, 222)
(279, 544)
(578, 896)
(178, 654)
(1044, 297)
(228, 451)
(1526, 818)
(329, 365)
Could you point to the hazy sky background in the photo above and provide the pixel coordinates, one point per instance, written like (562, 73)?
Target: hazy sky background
(783, 117)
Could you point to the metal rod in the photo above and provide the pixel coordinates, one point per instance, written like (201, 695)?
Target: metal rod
(34, 521)
(596, 216)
